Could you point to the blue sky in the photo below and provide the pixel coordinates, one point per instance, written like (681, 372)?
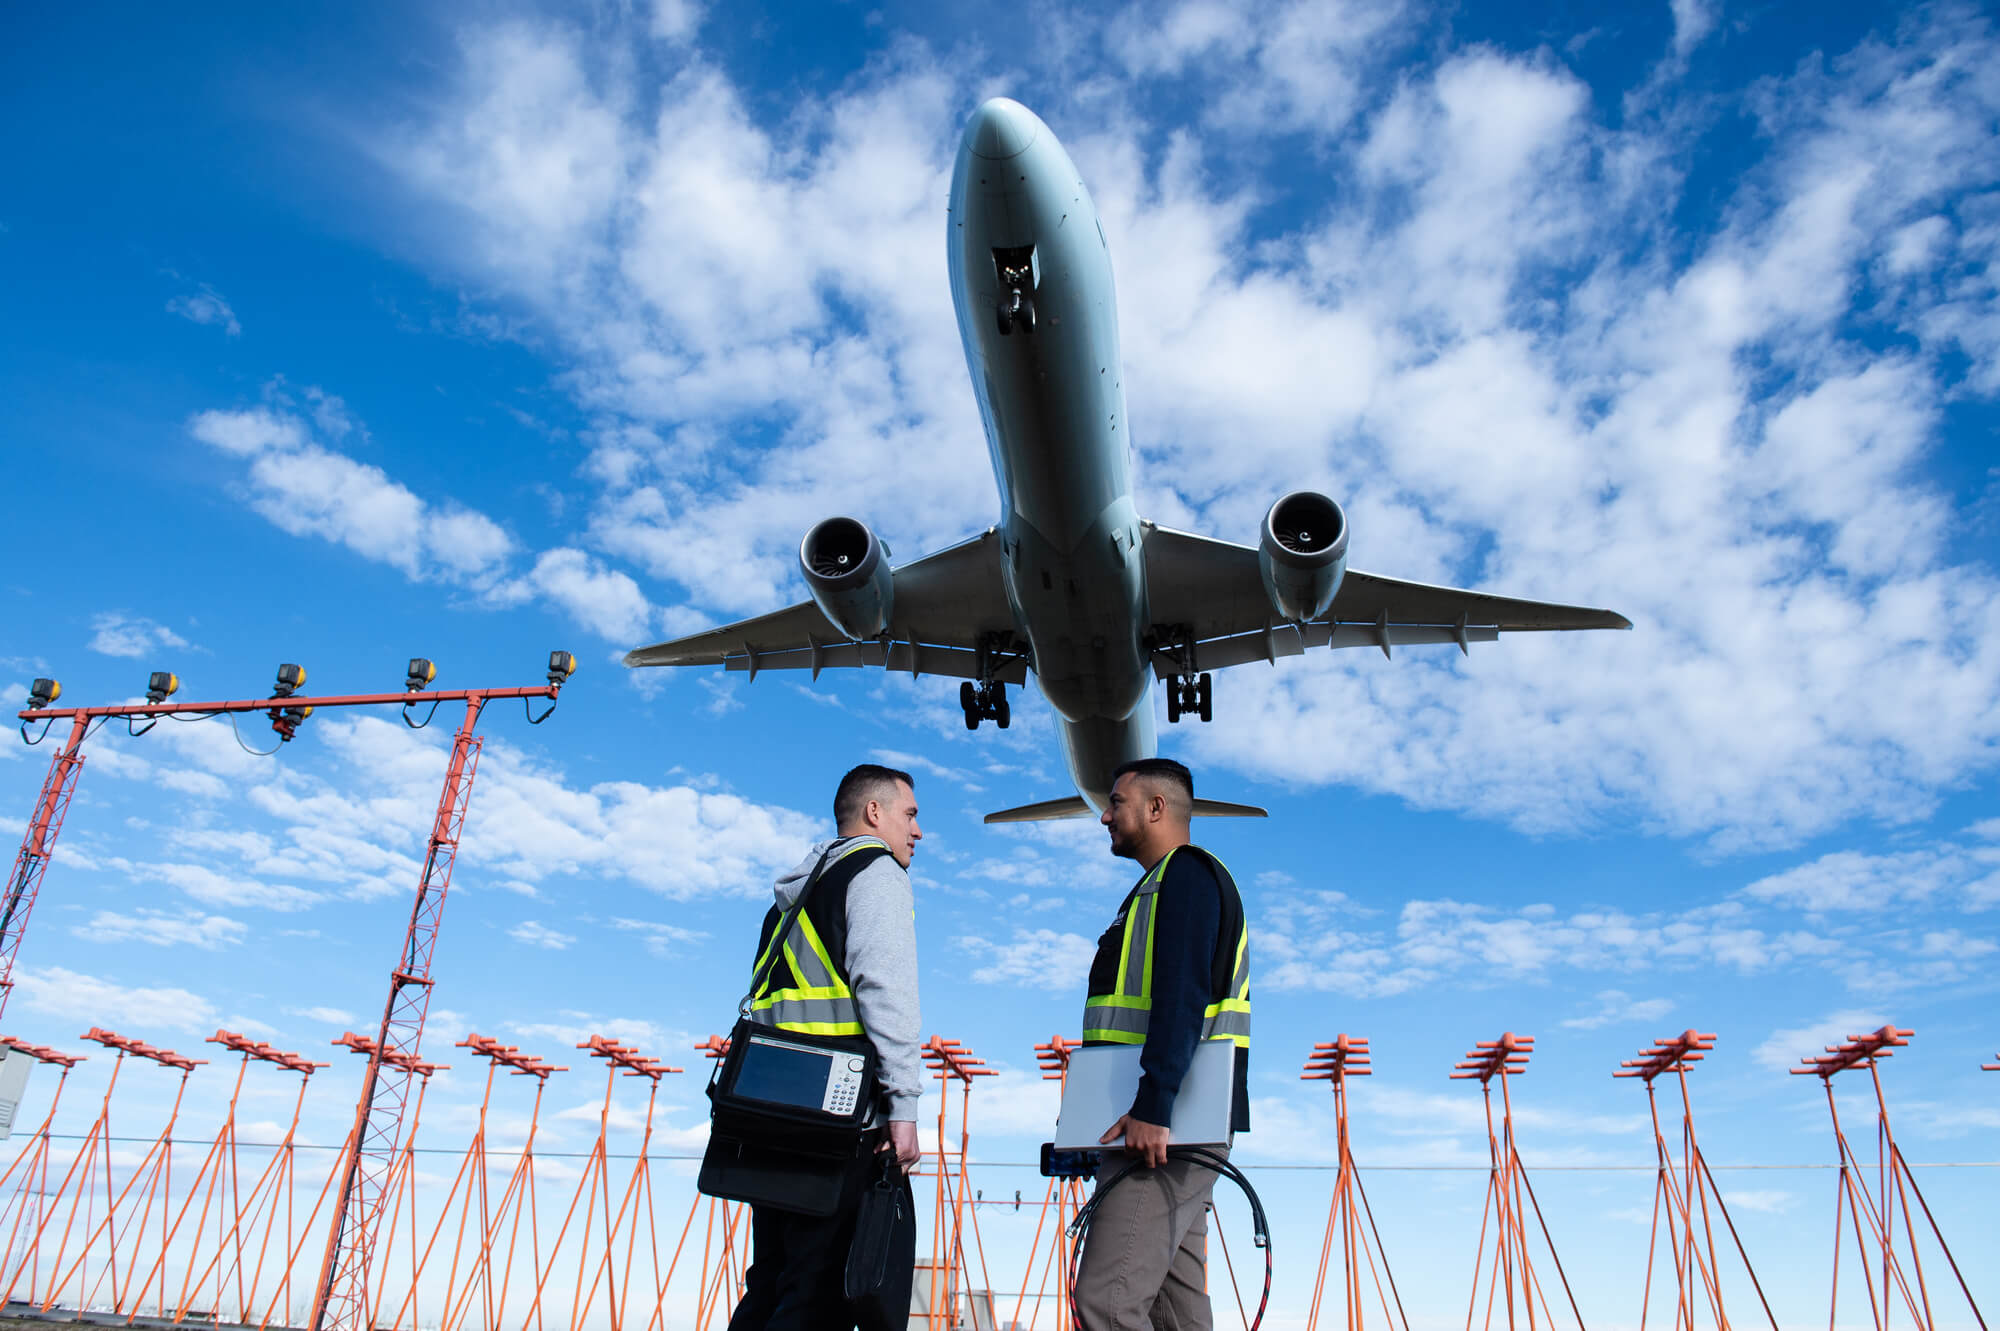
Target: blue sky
(343, 337)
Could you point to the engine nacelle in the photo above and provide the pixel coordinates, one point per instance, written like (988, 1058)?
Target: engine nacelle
(847, 571)
(1303, 554)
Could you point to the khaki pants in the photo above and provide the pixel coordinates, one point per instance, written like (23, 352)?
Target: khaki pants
(1145, 1260)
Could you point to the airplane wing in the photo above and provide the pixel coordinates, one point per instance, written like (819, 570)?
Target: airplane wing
(944, 604)
(1214, 588)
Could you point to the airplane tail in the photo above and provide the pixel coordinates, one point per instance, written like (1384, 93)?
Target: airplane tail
(1073, 806)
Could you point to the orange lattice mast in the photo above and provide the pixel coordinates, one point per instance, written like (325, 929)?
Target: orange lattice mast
(1509, 1194)
(1334, 1063)
(402, 1183)
(593, 1196)
(477, 1281)
(1875, 1240)
(725, 1244)
(952, 1063)
(119, 1227)
(1060, 1199)
(30, 1169)
(1687, 1190)
(218, 1184)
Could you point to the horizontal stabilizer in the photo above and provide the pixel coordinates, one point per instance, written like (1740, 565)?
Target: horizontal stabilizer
(1071, 806)
(1224, 809)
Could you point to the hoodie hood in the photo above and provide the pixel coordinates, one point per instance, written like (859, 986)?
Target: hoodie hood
(793, 881)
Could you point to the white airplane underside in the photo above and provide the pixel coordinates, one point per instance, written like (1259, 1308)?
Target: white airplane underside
(1073, 584)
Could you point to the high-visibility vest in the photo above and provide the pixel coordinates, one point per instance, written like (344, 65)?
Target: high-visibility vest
(805, 990)
(1122, 1015)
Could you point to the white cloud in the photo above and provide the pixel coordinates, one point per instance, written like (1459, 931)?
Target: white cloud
(605, 601)
(536, 934)
(1770, 1201)
(214, 888)
(662, 940)
(1784, 1048)
(73, 996)
(1035, 958)
(1615, 1006)
(206, 306)
(1693, 20)
(1851, 880)
(187, 928)
(327, 1016)
(115, 634)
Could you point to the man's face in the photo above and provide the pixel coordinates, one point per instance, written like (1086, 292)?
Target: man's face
(1125, 815)
(896, 823)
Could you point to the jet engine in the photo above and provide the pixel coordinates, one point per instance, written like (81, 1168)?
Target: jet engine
(847, 571)
(1303, 554)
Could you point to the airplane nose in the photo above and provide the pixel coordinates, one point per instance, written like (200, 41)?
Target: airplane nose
(1001, 128)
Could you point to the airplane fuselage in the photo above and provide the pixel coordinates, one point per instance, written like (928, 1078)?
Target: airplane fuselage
(1031, 283)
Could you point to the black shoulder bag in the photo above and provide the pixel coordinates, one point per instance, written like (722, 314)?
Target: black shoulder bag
(789, 1111)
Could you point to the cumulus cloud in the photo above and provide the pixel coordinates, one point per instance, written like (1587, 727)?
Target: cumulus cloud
(75, 997)
(187, 928)
(536, 934)
(1783, 1049)
(1034, 958)
(116, 634)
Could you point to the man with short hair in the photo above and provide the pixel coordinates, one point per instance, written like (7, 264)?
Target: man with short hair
(1172, 971)
(861, 918)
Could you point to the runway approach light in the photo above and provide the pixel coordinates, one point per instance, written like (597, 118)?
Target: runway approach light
(290, 677)
(43, 693)
(561, 666)
(162, 685)
(420, 675)
(286, 723)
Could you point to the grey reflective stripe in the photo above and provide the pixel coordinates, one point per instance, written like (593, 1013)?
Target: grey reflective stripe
(1226, 1025)
(804, 960)
(1138, 969)
(806, 1012)
(1106, 1017)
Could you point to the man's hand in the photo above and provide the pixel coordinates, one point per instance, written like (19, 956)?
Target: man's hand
(1148, 1140)
(903, 1141)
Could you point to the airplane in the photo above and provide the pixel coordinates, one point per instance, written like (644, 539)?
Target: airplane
(1073, 584)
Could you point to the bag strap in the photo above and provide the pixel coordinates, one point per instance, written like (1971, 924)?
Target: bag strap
(784, 927)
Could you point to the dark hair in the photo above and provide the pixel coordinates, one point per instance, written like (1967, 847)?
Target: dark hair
(1158, 769)
(870, 781)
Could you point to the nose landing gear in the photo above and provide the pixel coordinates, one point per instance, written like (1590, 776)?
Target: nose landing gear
(1189, 694)
(1016, 270)
(985, 702)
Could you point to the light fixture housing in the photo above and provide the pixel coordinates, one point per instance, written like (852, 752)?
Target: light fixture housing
(420, 674)
(561, 666)
(161, 685)
(44, 692)
(290, 678)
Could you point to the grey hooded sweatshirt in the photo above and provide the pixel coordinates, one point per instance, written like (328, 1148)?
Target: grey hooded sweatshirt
(881, 966)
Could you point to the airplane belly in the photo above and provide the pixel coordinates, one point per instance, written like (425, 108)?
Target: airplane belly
(1082, 612)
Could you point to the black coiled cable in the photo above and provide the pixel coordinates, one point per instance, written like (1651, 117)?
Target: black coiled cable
(1079, 1227)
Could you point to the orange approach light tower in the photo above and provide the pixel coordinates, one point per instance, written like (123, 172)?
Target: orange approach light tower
(1873, 1213)
(1334, 1063)
(1686, 1189)
(1509, 1194)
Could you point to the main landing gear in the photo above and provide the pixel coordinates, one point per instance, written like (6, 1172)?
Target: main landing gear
(1189, 694)
(985, 702)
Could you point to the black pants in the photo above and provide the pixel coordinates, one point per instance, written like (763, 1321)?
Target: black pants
(798, 1264)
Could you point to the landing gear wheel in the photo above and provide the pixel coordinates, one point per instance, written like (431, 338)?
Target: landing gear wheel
(1174, 703)
(1204, 704)
(968, 701)
(1003, 714)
